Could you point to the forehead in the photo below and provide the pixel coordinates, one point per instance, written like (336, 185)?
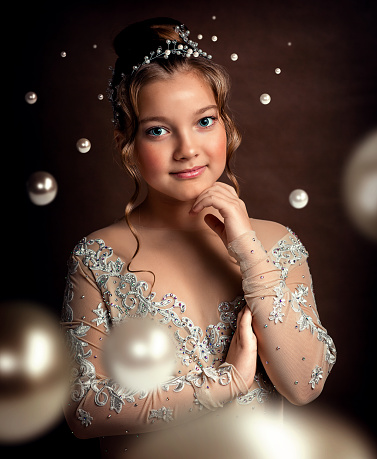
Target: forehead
(182, 92)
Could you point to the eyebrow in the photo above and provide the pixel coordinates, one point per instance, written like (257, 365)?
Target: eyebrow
(164, 119)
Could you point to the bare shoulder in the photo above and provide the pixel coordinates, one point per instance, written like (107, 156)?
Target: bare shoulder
(117, 236)
(268, 232)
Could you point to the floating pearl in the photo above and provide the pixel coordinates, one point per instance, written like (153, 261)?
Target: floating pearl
(298, 199)
(234, 56)
(83, 145)
(214, 18)
(214, 38)
(31, 97)
(100, 96)
(200, 36)
(42, 188)
(289, 43)
(265, 99)
(63, 54)
(278, 71)
(94, 46)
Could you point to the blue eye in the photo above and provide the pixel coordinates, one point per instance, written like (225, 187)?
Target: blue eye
(207, 121)
(156, 131)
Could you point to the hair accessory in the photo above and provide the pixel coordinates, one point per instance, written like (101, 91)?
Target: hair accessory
(185, 50)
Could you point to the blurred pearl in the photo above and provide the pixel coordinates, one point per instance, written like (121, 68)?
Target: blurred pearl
(298, 199)
(83, 145)
(289, 43)
(214, 18)
(42, 188)
(100, 96)
(265, 99)
(360, 186)
(140, 355)
(31, 97)
(63, 54)
(214, 38)
(277, 71)
(33, 372)
(200, 36)
(234, 56)
(94, 46)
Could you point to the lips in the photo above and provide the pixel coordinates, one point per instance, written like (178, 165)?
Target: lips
(189, 173)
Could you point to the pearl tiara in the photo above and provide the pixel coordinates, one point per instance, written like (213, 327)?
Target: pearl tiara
(189, 49)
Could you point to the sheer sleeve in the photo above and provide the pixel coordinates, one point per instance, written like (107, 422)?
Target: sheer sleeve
(295, 349)
(97, 405)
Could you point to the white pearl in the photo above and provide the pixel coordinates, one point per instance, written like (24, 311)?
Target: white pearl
(167, 52)
(214, 38)
(100, 96)
(234, 56)
(200, 36)
(180, 46)
(277, 71)
(265, 99)
(83, 145)
(31, 97)
(63, 54)
(195, 54)
(42, 188)
(298, 199)
(190, 51)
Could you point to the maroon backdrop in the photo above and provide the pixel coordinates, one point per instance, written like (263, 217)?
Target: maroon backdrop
(322, 103)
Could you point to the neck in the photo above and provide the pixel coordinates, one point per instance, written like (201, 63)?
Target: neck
(164, 212)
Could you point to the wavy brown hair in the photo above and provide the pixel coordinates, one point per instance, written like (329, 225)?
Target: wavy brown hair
(127, 86)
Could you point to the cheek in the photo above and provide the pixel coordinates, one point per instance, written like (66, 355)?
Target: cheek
(218, 147)
(149, 159)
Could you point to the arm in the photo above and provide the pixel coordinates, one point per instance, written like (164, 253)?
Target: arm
(97, 405)
(294, 348)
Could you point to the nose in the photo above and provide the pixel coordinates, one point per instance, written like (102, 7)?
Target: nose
(186, 147)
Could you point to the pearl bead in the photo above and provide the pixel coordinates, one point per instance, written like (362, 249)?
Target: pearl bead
(265, 99)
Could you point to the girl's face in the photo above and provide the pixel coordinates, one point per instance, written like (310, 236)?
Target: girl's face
(180, 145)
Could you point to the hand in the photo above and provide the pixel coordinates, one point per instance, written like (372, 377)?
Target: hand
(223, 198)
(242, 352)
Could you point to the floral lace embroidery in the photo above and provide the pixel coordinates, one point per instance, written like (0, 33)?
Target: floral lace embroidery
(316, 376)
(162, 413)
(261, 394)
(84, 417)
(133, 303)
(291, 252)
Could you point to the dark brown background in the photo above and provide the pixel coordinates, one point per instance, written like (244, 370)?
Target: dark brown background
(323, 102)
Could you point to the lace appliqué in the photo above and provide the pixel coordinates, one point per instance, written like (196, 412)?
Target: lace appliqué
(102, 317)
(199, 378)
(290, 253)
(162, 413)
(317, 374)
(261, 394)
(84, 417)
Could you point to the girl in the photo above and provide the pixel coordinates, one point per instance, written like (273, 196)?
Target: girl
(223, 285)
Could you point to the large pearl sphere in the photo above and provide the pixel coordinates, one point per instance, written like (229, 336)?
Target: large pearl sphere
(42, 188)
(31, 97)
(140, 354)
(360, 186)
(265, 99)
(83, 145)
(234, 56)
(33, 372)
(298, 198)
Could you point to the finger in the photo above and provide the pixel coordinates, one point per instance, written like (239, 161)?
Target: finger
(217, 201)
(227, 187)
